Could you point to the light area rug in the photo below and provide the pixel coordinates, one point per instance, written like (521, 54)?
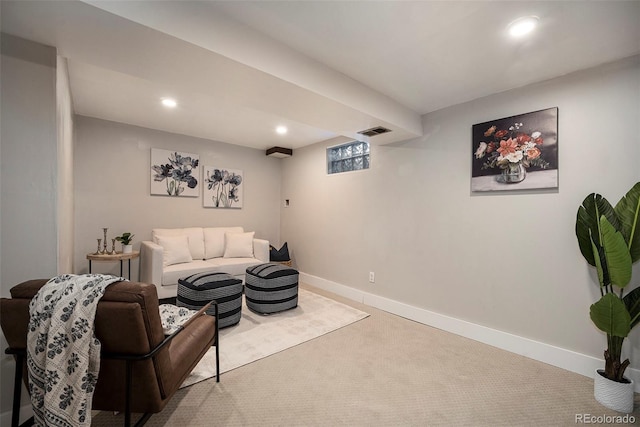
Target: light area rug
(257, 336)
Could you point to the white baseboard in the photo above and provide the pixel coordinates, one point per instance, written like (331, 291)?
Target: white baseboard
(552, 355)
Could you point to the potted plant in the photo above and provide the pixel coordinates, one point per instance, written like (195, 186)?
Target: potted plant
(609, 239)
(126, 239)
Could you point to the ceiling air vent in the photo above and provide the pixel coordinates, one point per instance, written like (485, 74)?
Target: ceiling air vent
(374, 131)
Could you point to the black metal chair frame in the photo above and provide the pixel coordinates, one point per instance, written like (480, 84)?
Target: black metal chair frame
(20, 354)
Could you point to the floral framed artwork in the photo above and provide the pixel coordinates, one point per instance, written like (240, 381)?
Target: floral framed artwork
(174, 173)
(516, 153)
(222, 188)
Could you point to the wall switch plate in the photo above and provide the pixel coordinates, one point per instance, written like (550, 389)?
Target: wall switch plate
(372, 277)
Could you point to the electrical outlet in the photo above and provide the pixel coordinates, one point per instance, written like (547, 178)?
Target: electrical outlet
(372, 277)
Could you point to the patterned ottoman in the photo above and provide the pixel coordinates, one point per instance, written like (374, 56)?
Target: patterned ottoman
(198, 289)
(271, 287)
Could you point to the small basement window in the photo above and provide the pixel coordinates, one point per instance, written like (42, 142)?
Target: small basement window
(351, 156)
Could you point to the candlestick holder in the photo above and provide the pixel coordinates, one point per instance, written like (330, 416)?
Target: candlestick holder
(113, 247)
(104, 251)
(99, 244)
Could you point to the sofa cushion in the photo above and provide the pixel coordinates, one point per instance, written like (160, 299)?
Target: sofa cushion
(233, 266)
(214, 240)
(238, 245)
(195, 235)
(172, 273)
(175, 250)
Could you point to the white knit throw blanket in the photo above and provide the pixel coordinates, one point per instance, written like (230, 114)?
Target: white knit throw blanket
(63, 354)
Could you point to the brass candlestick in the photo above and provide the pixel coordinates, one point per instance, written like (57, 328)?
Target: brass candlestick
(98, 251)
(113, 247)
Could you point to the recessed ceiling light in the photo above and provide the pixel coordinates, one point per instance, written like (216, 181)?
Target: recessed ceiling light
(522, 26)
(281, 130)
(168, 102)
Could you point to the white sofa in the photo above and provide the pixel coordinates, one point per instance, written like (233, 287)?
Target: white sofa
(175, 253)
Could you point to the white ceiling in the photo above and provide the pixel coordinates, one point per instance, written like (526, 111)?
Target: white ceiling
(325, 69)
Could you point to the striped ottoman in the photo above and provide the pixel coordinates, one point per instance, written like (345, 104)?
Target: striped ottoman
(270, 288)
(198, 289)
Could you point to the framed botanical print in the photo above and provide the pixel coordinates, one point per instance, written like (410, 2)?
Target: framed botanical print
(174, 173)
(222, 188)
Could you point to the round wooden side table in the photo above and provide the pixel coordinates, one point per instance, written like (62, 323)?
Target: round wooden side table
(118, 256)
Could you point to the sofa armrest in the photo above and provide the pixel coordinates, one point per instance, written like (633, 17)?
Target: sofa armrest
(261, 249)
(151, 263)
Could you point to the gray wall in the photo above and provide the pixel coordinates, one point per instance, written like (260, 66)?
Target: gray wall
(28, 171)
(112, 188)
(505, 261)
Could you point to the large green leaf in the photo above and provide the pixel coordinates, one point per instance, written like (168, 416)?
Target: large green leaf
(628, 212)
(610, 315)
(588, 223)
(601, 266)
(616, 253)
(632, 302)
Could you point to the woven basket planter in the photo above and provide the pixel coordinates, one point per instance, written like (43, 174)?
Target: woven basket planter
(612, 394)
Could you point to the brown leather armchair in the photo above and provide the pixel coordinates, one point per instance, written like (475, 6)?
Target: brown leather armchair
(140, 368)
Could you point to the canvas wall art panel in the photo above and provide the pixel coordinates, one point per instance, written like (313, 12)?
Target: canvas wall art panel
(516, 153)
(223, 188)
(174, 173)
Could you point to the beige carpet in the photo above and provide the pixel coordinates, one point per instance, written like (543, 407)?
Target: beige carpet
(257, 336)
(385, 371)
